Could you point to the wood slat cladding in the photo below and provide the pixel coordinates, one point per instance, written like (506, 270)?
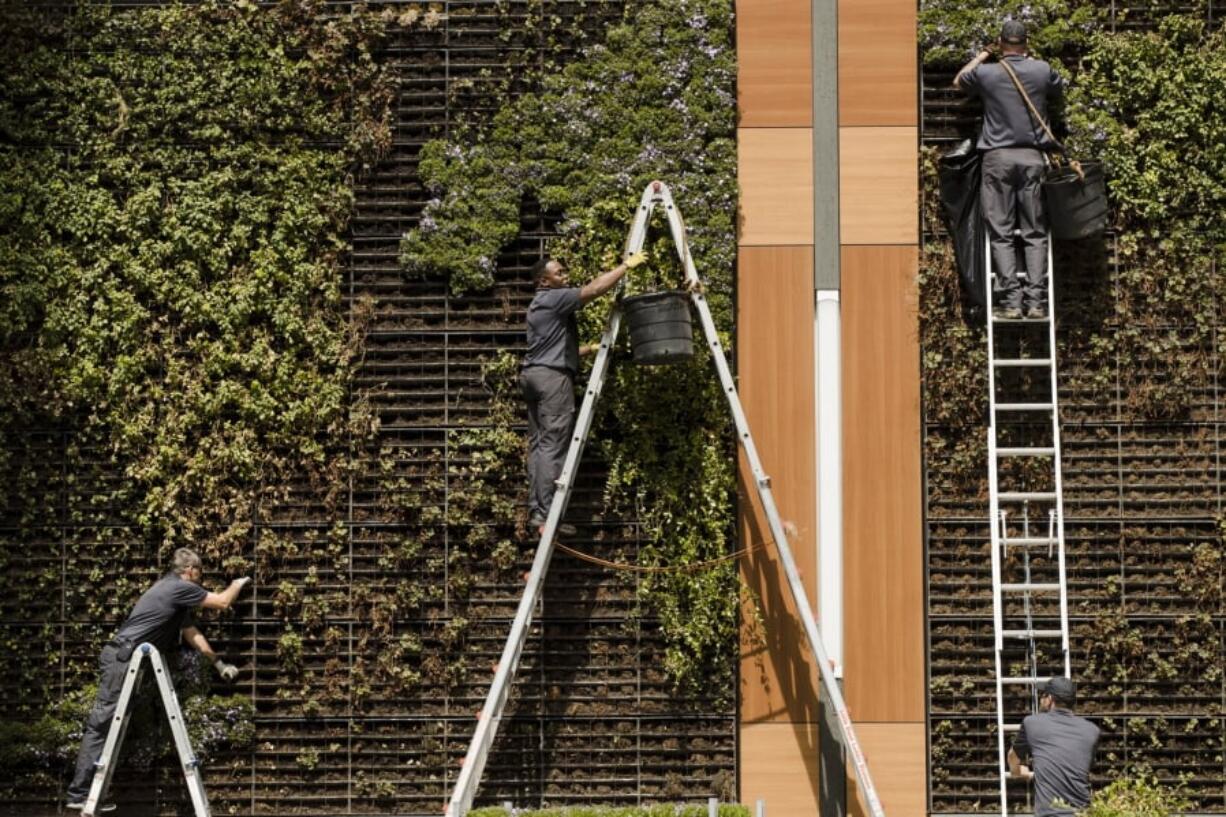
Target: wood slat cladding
(878, 186)
(878, 75)
(775, 361)
(774, 88)
(896, 758)
(775, 171)
(779, 765)
(883, 547)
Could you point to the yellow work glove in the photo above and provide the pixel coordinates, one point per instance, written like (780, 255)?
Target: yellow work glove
(634, 259)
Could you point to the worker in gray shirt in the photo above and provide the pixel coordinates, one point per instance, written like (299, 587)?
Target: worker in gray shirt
(1060, 747)
(547, 376)
(1012, 142)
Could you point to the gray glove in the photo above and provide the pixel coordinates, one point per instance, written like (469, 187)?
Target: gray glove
(228, 672)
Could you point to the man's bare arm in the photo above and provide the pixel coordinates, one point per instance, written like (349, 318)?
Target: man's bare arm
(981, 57)
(605, 281)
(223, 600)
(1017, 768)
(198, 642)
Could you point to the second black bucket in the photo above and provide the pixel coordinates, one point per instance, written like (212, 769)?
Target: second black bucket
(660, 328)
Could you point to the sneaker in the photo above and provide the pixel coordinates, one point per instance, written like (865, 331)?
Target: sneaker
(1039, 312)
(79, 805)
(536, 520)
(1007, 313)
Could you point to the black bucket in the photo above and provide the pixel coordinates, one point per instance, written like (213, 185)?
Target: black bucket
(1076, 207)
(660, 329)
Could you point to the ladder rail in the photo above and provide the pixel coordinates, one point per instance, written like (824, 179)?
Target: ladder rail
(762, 482)
(998, 523)
(1056, 457)
(994, 527)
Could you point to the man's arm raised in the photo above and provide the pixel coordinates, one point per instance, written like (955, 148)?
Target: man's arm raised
(223, 600)
(605, 281)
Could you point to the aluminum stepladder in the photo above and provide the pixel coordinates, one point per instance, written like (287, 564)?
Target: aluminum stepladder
(656, 193)
(119, 727)
(1018, 636)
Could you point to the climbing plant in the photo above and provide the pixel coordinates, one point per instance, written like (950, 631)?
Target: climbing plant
(173, 219)
(654, 100)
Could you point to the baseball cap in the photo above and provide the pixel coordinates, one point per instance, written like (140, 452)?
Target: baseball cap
(1060, 688)
(1013, 32)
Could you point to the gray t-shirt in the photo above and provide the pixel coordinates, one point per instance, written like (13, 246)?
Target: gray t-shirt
(1007, 122)
(553, 334)
(162, 612)
(1062, 746)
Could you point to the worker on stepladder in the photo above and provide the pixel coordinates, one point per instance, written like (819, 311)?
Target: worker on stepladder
(547, 374)
(163, 616)
(1013, 146)
(1060, 747)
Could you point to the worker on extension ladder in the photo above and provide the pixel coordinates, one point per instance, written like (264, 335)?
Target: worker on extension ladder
(547, 374)
(1060, 747)
(160, 621)
(1013, 145)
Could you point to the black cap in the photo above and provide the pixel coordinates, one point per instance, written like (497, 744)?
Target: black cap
(1060, 688)
(1013, 32)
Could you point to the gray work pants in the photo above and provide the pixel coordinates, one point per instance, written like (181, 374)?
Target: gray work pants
(550, 395)
(110, 684)
(1012, 198)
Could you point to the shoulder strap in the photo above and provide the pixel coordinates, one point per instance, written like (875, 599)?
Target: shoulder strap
(1004, 63)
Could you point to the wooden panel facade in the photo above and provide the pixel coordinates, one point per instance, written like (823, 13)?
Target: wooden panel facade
(883, 543)
(774, 86)
(878, 186)
(775, 171)
(895, 754)
(878, 74)
(775, 361)
(779, 765)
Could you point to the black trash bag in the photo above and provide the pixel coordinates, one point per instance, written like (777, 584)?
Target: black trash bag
(958, 174)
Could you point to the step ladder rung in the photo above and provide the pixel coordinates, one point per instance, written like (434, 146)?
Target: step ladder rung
(1025, 679)
(1040, 451)
(1033, 587)
(1018, 320)
(1032, 633)
(1026, 496)
(1024, 406)
(1028, 541)
(1016, 363)
(1012, 727)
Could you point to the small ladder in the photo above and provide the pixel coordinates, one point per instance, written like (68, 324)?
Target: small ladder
(1026, 519)
(655, 194)
(105, 766)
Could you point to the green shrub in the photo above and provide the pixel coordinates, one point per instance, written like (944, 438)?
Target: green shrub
(1137, 797)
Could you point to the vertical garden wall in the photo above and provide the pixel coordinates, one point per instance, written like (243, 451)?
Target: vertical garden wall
(1141, 346)
(214, 337)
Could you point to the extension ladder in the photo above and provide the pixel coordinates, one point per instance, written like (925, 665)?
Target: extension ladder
(119, 726)
(656, 193)
(1026, 519)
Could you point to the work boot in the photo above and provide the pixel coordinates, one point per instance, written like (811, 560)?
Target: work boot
(564, 528)
(79, 805)
(1007, 313)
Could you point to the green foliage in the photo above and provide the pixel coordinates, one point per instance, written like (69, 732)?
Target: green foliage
(1137, 797)
(951, 31)
(174, 199)
(660, 810)
(654, 100)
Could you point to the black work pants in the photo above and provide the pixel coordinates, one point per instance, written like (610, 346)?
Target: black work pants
(110, 684)
(1011, 196)
(550, 396)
